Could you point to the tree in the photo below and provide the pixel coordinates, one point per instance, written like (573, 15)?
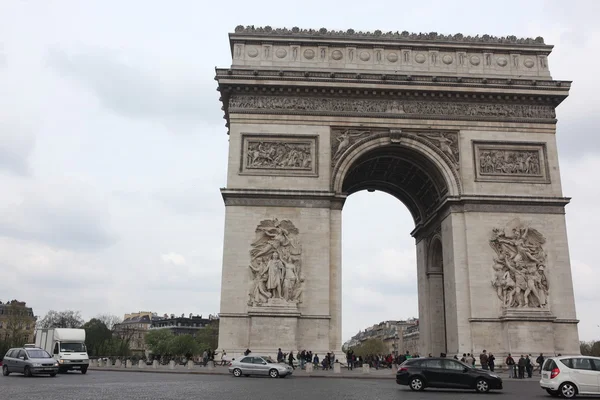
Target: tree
(61, 319)
(109, 320)
(97, 337)
(208, 337)
(370, 347)
(183, 345)
(159, 341)
(19, 324)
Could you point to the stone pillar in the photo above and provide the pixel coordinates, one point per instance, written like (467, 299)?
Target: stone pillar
(337, 368)
(108, 363)
(99, 363)
(171, 364)
(335, 279)
(128, 364)
(190, 364)
(366, 369)
(141, 364)
(210, 364)
(155, 364)
(309, 368)
(92, 364)
(118, 363)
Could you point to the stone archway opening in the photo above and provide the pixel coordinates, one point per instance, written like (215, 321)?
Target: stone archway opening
(412, 178)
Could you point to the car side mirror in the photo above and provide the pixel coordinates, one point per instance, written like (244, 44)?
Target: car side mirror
(22, 357)
(264, 363)
(465, 369)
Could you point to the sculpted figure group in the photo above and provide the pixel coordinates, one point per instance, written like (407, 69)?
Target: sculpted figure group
(275, 263)
(279, 155)
(520, 268)
(506, 162)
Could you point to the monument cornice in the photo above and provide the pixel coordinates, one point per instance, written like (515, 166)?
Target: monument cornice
(386, 81)
(433, 38)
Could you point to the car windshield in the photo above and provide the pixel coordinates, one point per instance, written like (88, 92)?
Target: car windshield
(66, 347)
(38, 354)
(268, 359)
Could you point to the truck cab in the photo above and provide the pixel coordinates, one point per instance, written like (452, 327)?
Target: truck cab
(67, 346)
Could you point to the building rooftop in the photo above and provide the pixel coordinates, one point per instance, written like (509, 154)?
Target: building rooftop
(325, 33)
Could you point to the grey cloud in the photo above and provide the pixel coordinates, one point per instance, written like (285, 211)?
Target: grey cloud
(137, 92)
(577, 136)
(16, 146)
(68, 225)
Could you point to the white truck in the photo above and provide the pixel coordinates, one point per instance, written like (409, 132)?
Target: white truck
(66, 345)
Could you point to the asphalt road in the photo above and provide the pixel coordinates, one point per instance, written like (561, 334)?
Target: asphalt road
(134, 385)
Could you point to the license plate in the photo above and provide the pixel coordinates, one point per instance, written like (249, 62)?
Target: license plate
(545, 375)
(48, 369)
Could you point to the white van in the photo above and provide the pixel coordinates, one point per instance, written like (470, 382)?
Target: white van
(568, 376)
(66, 345)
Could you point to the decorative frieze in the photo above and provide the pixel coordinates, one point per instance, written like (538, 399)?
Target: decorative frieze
(513, 162)
(279, 155)
(392, 108)
(520, 267)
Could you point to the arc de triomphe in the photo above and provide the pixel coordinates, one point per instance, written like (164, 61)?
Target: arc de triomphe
(460, 129)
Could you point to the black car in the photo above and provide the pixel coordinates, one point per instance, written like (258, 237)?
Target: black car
(419, 373)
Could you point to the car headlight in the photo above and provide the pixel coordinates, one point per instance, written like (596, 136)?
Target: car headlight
(494, 376)
(37, 365)
(61, 361)
(56, 364)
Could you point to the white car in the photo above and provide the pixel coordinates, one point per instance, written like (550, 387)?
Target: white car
(568, 376)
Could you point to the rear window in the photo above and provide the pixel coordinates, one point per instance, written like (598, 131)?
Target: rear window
(549, 365)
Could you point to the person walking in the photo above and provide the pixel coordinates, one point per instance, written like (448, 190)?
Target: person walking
(540, 361)
(491, 362)
(528, 366)
(291, 359)
(510, 363)
(522, 364)
(483, 359)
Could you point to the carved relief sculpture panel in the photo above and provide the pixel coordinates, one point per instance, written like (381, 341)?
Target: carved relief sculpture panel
(510, 162)
(520, 269)
(397, 108)
(279, 155)
(276, 265)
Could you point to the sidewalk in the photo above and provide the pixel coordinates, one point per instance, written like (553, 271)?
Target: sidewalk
(344, 374)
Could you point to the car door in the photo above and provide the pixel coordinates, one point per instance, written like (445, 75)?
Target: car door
(19, 361)
(8, 360)
(596, 362)
(433, 372)
(261, 367)
(247, 365)
(455, 375)
(586, 377)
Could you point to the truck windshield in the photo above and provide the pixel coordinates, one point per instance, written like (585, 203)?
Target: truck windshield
(66, 347)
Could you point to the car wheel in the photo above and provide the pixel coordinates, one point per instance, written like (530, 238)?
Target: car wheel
(5, 370)
(273, 373)
(27, 372)
(416, 384)
(237, 372)
(53, 374)
(482, 386)
(553, 393)
(84, 370)
(567, 390)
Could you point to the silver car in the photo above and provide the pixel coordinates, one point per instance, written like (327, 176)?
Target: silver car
(257, 365)
(29, 361)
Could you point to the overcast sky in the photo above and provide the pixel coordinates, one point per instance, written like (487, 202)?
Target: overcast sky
(113, 150)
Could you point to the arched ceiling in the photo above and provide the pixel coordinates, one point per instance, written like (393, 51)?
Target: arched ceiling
(403, 173)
